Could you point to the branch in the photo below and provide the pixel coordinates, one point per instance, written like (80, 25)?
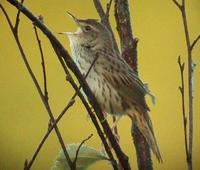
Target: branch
(45, 102)
(129, 53)
(182, 91)
(190, 79)
(17, 20)
(7, 18)
(78, 149)
(100, 10)
(194, 42)
(43, 63)
(128, 43)
(105, 19)
(108, 6)
(66, 59)
(177, 4)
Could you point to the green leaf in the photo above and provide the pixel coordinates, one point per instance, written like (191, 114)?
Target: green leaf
(86, 157)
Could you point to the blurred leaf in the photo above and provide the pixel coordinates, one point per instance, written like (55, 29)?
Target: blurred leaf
(86, 157)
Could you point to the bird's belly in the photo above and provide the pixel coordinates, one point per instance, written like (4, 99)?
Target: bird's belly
(107, 97)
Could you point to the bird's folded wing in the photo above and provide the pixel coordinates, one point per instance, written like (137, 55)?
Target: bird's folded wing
(119, 74)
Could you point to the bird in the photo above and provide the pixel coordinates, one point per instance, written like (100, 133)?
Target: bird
(117, 88)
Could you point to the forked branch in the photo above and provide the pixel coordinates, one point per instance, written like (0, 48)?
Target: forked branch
(17, 20)
(190, 46)
(182, 91)
(194, 42)
(42, 63)
(78, 149)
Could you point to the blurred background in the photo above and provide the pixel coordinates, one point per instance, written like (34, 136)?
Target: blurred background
(23, 118)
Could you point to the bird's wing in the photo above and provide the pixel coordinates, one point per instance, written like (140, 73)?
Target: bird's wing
(119, 74)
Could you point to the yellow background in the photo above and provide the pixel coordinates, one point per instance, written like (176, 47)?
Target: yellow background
(23, 119)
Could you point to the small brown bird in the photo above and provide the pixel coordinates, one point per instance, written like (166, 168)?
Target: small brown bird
(116, 87)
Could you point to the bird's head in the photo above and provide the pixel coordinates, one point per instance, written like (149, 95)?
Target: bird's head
(90, 33)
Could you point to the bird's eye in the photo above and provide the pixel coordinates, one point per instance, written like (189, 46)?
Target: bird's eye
(88, 28)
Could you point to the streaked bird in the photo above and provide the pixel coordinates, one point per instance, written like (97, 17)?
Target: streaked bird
(117, 88)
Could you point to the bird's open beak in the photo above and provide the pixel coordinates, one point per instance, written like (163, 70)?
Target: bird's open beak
(68, 33)
(75, 20)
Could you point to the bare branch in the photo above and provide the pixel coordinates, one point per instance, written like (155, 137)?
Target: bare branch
(78, 149)
(194, 42)
(100, 10)
(7, 18)
(182, 90)
(108, 6)
(177, 4)
(105, 20)
(17, 20)
(190, 80)
(43, 63)
(26, 164)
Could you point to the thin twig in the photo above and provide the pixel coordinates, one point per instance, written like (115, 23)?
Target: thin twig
(105, 20)
(42, 63)
(25, 164)
(194, 42)
(78, 149)
(50, 128)
(7, 18)
(45, 102)
(108, 6)
(177, 4)
(99, 9)
(17, 20)
(182, 91)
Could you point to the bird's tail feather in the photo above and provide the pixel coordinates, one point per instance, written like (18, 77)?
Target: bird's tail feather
(144, 124)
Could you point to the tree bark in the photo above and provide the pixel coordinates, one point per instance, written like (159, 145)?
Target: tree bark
(129, 53)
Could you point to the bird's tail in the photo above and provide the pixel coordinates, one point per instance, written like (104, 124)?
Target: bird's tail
(143, 122)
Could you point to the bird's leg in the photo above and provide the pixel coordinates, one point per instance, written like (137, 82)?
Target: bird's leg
(115, 122)
(105, 117)
(114, 127)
